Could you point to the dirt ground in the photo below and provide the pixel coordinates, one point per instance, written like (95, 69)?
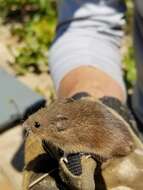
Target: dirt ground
(41, 83)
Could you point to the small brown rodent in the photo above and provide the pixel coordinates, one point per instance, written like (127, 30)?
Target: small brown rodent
(81, 126)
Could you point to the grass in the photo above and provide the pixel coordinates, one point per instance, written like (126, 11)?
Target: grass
(128, 56)
(33, 23)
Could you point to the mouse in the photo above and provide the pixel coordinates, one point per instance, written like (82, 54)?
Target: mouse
(81, 126)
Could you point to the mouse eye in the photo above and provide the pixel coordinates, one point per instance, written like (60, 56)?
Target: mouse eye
(37, 124)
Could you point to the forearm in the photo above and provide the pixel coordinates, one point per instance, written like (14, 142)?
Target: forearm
(89, 35)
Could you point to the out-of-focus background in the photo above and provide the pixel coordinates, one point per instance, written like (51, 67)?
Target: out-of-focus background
(26, 32)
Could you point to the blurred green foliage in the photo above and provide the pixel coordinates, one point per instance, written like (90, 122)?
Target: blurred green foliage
(34, 21)
(128, 59)
(37, 35)
(38, 7)
(129, 68)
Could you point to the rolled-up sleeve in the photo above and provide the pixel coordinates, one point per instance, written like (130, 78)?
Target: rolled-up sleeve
(89, 33)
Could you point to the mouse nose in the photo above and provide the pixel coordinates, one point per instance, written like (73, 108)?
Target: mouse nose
(27, 130)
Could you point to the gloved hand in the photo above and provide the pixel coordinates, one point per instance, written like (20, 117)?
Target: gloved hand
(83, 144)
